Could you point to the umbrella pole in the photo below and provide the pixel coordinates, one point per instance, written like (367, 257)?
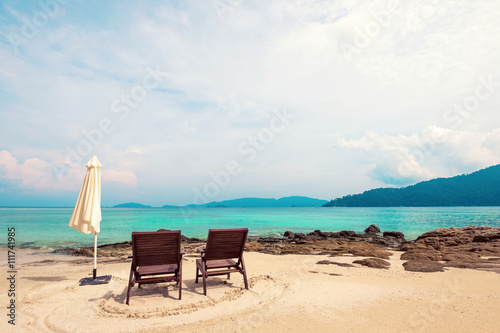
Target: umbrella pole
(95, 257)
(95, 280)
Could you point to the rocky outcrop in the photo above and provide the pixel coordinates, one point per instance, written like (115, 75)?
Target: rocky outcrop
(373, 262)
(487, 235)
(468, 247)
(329, 262)
(395, 234)
(372, 229)
(423, 266)
(333, 243)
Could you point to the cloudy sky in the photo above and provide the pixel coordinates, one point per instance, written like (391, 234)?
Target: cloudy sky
(194, 101)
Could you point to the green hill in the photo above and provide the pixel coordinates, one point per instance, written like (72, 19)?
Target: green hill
(294, 201)
(131, 205)
(481, 188)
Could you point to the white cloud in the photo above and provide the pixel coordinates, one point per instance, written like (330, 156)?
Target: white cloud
(40, 176)
(436, 152)
(126, 178)
(37, 175)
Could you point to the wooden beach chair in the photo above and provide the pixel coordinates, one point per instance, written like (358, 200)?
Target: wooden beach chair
(156, 257)
(223, 255)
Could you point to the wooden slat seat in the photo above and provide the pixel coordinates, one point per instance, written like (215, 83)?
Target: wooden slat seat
(222, 255)
(220, 263)
(156, 258)
(157, 269)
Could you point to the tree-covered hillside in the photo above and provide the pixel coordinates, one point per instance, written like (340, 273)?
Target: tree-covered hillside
(481, 188)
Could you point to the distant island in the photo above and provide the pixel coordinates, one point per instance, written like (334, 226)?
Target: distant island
(481, 188)
(131, 205)
(293, 201)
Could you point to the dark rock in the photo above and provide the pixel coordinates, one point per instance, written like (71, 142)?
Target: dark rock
(269, 240)
(428, 254)
(387, 241)
(372, 229)
(423, 266)
(373, 262)
(457, 247)
(114, 246)
(396, 234)
(480, 238)
(329, 262)
(318, 233)
(487, 236)
(460, 256)
(365, 236)
(405, 246)
(185, 239)
(347, 233)
(288, 234)
(445, 237)
(66, 250)
(299, 235)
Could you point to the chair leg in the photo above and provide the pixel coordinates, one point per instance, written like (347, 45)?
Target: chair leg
(204, 275)
(179, 280)
(244, 272)
(197, 272)
(245, 279)
(130, 284)
(128, 292)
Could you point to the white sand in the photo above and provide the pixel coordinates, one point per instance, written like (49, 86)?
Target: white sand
(287, 293)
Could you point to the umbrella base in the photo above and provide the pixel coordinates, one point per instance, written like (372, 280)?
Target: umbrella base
(98, 280)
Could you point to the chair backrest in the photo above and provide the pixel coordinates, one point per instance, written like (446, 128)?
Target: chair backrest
(225, 243)
(156, 247)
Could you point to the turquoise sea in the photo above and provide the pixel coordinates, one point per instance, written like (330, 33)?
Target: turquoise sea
(48, 227)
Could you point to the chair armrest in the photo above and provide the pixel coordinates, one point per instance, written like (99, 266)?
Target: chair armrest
(130, 257)
(199, 249)
(183, 252)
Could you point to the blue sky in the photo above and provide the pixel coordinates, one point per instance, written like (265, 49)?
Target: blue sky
(193, 101)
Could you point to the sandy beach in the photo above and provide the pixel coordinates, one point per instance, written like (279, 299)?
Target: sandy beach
(287, 293)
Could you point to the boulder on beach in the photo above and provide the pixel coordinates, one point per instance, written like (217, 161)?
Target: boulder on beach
(372, 229)
(466, 247)
(373, 263)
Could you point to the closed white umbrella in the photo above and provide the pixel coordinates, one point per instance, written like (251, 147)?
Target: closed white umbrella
(86, 216)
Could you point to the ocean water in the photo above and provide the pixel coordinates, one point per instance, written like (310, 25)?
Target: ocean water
(48, 227)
